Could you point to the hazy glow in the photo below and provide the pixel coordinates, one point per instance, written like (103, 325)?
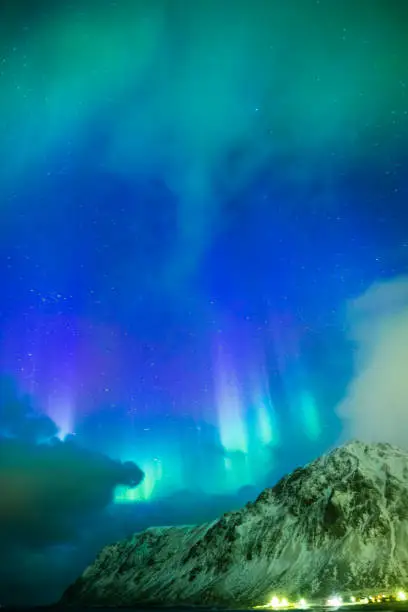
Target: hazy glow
(144, 491)
(237, 470)
(310, 416)
(247, 422)
(265, 431)
(334, 602)
(266, 418)
(61, 411)
(231, 417)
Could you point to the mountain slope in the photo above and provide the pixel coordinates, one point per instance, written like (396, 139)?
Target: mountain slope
(338, 524)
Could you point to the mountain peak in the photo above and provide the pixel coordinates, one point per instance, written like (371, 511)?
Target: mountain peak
(357, 447)
(338, 524)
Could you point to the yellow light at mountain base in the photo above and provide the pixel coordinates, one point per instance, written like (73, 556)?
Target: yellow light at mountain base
(335, 602)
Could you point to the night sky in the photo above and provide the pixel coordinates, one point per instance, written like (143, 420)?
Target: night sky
(203, 250)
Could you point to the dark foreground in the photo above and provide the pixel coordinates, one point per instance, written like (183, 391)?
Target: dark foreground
(390, 606)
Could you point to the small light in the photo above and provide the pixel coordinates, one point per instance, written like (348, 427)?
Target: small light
(302, 603)
(274, 602)
(284, 602)
(334, 602)
(353, 599)
(401, 596)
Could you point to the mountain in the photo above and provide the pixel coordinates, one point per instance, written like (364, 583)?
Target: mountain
(337, 525)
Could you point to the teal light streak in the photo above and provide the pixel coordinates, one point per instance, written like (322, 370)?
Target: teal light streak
(145, 490)
(310, 417)
(232, 427)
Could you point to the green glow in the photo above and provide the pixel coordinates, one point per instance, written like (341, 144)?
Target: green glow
(264, 425)
(152, 71)
(237, 470)
(310, 417)
(233, 433)
(227, 464)
(144, 492)
(232, 427)
(267, 428)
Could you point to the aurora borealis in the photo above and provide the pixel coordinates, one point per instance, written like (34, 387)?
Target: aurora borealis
(191, 198)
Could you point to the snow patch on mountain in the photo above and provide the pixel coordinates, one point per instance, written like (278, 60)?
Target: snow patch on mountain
(339, 524)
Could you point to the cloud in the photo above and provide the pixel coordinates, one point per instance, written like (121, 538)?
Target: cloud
(55, 501)
(55, 497)
(376, 402)
(52, 489)
(18, 417)
(51, 492)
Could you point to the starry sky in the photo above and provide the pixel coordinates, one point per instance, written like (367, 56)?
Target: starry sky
(203, 256)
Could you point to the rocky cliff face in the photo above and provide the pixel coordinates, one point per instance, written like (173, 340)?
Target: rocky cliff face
(339, 524)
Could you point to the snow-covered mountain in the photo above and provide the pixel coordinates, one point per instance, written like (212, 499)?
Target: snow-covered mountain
(339, 524)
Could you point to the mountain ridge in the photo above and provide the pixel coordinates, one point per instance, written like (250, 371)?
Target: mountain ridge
(340, 523)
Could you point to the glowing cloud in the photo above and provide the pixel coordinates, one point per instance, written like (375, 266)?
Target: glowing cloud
(375, 405)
